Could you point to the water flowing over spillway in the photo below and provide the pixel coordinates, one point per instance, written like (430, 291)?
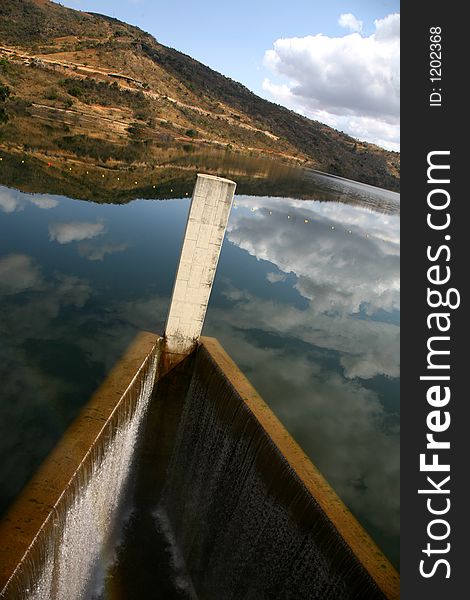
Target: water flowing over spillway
(63, 563)
(244, 523)
(224, 503)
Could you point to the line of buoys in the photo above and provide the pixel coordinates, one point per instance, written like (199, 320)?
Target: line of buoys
(306, 221)
(49, 164)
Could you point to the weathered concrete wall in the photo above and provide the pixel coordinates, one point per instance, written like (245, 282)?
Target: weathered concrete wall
(252, 516)
(205, 229)
(58, 518)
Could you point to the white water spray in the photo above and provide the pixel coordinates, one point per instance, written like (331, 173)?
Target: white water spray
(63, 563)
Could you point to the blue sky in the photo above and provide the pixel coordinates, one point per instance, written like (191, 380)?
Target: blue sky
(238, 39)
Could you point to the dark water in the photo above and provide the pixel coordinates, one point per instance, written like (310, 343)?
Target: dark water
(243, 521)
(306, 301)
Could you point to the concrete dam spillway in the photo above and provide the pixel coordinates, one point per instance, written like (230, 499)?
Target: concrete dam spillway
(58, 528)
(177, 435)
(243, 518)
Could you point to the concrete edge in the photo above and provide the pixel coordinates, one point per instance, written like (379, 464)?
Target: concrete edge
(38, 500)
(206, 224)
(216, 178)
(361, 544)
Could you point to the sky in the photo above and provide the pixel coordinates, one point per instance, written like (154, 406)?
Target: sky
(336, 62)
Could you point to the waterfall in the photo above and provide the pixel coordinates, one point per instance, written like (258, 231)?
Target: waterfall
(243, 520)
(69, 553)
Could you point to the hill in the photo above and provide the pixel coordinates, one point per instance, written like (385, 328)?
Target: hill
(85, 86)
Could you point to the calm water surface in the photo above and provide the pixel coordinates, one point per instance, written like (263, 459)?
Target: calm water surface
(306, 301)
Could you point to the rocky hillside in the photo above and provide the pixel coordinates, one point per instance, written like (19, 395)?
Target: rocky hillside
(84, 87)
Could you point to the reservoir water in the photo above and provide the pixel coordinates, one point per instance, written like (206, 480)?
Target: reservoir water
(306, 301)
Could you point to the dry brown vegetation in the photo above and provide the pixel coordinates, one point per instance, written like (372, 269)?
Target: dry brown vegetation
(87, 86)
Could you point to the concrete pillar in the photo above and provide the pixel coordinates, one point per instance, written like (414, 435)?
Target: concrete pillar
(205, 230)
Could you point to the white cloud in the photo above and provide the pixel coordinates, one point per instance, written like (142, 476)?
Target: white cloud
(276, 277)
(379, 132)
(9, 201)
(15, 201)
(346, 260)
(349, 21)
(18, 273)
(75, 231)
(44, 202)
(99, 251)
(71, 291)
(356, 266)
(350, 82)
(388, 29)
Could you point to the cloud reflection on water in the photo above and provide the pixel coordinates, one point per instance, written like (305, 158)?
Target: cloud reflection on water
(97, 252)
(344, 257)
(74, 231)
(14, 201)
(316, 361)
(346, 261)
(319, 364)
